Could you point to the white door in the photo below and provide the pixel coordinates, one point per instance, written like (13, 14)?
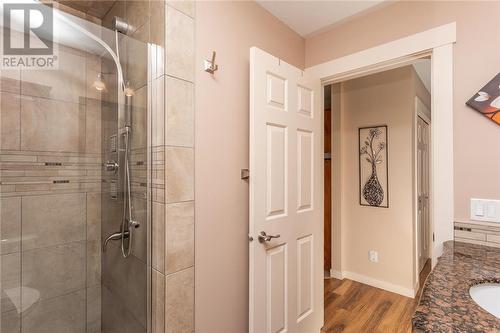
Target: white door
(286, 198)
(423, 136)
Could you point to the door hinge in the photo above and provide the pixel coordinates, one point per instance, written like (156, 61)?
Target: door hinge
(433, 238)
(245, 174)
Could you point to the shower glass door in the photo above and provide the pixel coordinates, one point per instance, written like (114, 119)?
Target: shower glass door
(75, 171)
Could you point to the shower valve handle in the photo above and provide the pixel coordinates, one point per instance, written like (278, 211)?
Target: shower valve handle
(111, 166)
(133, 224)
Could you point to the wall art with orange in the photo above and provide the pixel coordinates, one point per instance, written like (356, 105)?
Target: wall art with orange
(487, 100)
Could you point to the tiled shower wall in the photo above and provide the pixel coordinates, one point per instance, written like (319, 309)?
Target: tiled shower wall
(169, 27)
(124, 280)
(173, 138)
(50, 197)
(62, 150)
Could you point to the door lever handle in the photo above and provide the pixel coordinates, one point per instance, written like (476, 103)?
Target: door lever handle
(263, 237)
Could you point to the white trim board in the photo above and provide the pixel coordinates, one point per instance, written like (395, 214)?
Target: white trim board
(388, 52)
(394, 288)
(438, 43)
(336, 274)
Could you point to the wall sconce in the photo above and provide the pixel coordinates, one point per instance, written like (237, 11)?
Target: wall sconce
(99, 84)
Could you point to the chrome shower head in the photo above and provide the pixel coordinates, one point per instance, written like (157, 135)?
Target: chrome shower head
(120, 25)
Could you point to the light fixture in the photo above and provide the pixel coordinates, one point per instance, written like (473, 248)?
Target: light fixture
(129, 92)
(99, 84)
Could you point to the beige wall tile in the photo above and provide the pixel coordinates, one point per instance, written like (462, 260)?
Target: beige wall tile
(10, 121)
(10, 81)
(187, 7)
(93, 126)
(118, 276)
(94, 216)
(93, 265)
(137, 13)
(158, 112)
(116, 317)
(157, 36)
(179, 174)
(109, 94)
(67, 83)
(93, 67)
(158, 174)
(118, 9)
(10, 280)
(157, 22)
(54, 271)
(94, 309)
(179, 44)
(139, 118)
(180, 302)
(57, 315)
(17, 158)
(158, 236)
(180, 236)
(49, 125)
(10, 322)
(180, 113)
(10, 225)
(158, 302)
(137, 54)
(53, 219)
(139, 244)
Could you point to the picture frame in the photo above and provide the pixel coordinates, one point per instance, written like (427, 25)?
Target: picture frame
(373, 166)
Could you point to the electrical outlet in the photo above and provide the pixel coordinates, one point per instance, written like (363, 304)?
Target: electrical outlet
(373, 255)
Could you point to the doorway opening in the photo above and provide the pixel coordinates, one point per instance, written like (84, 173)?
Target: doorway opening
(377, 232)
(285, 224)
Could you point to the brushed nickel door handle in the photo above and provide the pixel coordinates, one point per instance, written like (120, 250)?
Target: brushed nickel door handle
(263, 237)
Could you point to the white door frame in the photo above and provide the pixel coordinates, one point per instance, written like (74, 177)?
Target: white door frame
(438, 43)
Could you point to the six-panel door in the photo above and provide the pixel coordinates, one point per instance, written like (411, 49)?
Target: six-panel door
(285, 198)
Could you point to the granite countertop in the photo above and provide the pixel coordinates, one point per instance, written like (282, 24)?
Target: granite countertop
(445, 304)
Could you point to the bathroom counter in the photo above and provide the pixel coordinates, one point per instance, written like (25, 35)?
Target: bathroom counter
(445, 304)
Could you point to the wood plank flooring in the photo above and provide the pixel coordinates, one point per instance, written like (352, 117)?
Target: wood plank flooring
(358, 308)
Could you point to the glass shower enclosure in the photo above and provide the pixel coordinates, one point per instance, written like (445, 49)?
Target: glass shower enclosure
(75, 251)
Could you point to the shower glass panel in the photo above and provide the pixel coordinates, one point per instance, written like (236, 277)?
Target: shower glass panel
(75, 253)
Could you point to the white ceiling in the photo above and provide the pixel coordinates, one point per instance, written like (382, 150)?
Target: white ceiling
(306, 17)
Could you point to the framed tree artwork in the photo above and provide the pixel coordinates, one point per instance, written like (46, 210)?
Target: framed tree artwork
(373, 167)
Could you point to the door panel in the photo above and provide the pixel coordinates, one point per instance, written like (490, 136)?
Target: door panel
(286, 199)
(276, 170)
(423, 136)
(305, 271)
(277, 296)
(276, 91)
(306, 101)
(305, 169)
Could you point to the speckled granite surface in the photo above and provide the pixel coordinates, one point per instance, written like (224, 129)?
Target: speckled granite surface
(445, 304)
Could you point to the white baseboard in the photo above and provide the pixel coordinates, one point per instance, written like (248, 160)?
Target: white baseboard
(379, 284)
(336, 274)
(416, 288)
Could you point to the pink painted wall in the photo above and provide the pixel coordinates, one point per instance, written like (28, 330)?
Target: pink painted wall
(222, 121)
(477, 60)
(231, 28)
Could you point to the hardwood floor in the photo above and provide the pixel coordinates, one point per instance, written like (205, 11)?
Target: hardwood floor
(355, 307)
